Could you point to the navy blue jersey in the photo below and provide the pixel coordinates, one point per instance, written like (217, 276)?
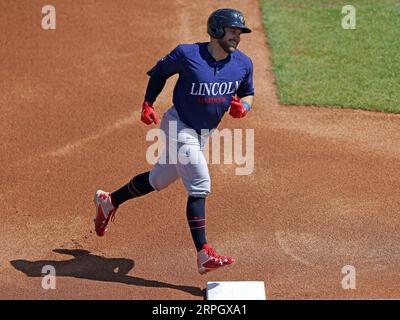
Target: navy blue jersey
(205, 86)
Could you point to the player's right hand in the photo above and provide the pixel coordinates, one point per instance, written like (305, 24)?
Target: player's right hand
(148, 114)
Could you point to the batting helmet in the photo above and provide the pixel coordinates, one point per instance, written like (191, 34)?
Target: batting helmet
(225, 18)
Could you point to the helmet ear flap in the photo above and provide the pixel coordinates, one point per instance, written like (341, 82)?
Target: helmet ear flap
(214, 29)
(219, 32)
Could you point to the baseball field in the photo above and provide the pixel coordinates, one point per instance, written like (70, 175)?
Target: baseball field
(322, 196)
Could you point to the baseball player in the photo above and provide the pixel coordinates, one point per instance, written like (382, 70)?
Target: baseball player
(214, 77)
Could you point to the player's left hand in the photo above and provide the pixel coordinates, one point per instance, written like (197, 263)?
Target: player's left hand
(237, 109)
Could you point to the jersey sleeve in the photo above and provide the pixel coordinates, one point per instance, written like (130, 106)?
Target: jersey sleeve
(246, 87)
(168, 65)
(165, 68)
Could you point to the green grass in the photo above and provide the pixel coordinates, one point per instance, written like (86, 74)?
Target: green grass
(317, 62)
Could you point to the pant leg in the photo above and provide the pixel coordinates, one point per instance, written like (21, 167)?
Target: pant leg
(194, 174)
(164, 173)
(192, 165)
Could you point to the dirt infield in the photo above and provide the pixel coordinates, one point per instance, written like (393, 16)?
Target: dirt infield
(323, 194)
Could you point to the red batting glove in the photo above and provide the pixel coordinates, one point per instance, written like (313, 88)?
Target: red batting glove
(237, 109)
(148, 114)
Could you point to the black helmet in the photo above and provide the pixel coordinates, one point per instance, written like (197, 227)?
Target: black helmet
(223, 18)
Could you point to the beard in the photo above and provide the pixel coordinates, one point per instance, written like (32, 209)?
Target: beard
(227, 46)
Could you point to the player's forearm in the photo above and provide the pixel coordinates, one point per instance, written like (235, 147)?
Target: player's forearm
(247, 100)
(154, 87)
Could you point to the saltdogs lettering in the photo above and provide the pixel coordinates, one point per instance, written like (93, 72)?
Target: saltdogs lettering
(203, 100)
(214, 89)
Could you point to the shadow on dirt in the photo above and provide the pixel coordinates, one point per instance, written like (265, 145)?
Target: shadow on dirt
(85, 265)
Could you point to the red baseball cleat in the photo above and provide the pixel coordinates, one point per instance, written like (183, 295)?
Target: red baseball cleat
(208, 260)
(104, 211)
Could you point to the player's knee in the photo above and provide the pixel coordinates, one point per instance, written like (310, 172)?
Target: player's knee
(201, 189)
(158, 182)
